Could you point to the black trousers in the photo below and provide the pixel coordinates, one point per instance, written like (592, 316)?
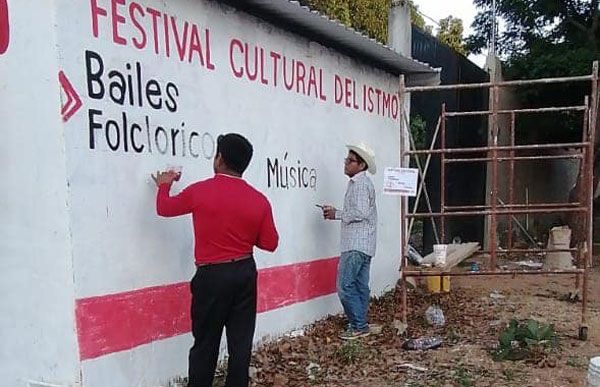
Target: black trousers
(223, 295)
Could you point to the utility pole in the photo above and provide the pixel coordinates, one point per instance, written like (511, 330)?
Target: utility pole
(493, 70)
(493, 40)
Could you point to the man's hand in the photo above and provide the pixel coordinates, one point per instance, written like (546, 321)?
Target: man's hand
(166, 177)
(329, 212)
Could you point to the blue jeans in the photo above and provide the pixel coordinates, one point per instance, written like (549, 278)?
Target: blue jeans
(353, 287)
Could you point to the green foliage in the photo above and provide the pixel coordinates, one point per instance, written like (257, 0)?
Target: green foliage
(532, 24)
(451, 33)
(368, 16)
(415, 16)
(577, 362)
(418, 128)
(462, 376)
(371, 18)
(525, 340)
(350, 351)
(541, 39)
(417, 19)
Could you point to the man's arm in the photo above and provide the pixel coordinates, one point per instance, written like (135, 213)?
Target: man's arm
(358, 210)
(268, 238)
(167, 205)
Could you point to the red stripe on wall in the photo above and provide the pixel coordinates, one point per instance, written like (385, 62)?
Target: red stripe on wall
(285, 285)
(117, 322)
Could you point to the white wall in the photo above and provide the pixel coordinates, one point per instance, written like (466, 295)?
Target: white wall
(99, 228)
(36, 276)
(113, 189)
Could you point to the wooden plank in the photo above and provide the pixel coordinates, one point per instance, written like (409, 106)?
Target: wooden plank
(456, 253)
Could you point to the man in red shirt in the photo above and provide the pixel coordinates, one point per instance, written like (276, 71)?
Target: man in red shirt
(230, 217)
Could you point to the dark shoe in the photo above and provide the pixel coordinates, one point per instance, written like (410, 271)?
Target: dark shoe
(351, 334)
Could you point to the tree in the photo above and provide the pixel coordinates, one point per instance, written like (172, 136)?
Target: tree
(450, 32)
(545, 38)
(535, 24)
(417, 19)
(368, 16)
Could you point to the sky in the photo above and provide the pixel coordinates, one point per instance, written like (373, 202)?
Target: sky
(462, 9)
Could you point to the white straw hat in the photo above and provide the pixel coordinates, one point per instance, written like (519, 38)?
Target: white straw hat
(366, 153)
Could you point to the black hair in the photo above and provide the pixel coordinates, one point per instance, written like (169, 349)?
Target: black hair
(360, 160)
(235, 150)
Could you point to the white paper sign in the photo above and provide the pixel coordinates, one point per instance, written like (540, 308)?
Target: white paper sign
(400, 181)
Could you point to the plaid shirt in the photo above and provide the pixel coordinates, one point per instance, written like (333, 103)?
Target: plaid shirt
(359, 216)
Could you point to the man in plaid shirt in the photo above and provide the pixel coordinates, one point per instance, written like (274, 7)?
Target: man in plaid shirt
(359, 234)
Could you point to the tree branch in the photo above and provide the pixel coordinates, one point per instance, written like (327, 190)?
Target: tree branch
(577, 24)
(594, 6)
(595, 15)
(595, 23)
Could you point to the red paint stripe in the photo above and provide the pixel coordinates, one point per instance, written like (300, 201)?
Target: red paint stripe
(4, 28)
(117, 322)
(285, 285)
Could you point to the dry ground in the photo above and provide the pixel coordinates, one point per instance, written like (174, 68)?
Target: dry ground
(473, 321)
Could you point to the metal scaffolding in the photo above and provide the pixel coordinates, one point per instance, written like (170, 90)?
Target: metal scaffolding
(582, 209)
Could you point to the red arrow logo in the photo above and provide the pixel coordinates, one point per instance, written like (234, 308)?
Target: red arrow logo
(4, 31)
(73, 102)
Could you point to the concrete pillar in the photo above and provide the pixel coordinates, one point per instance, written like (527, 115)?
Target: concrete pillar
(400, 40)
(399, 28)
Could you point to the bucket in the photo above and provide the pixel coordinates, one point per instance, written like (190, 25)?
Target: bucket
(434, 286)
(561, 236)
(593, 376)
(439, 254)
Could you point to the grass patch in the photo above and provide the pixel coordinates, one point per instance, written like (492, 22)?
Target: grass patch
(577, 362)
(528, 340)
(462, 377)
(351, 351)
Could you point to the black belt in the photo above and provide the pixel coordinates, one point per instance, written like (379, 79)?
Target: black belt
(232, 260)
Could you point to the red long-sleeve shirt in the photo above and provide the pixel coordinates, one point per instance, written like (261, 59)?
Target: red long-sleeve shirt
(230, 217)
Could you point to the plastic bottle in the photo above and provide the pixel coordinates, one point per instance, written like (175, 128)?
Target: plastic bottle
(422, 343)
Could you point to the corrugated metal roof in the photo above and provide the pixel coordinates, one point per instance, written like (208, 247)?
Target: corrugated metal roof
(293, 16)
